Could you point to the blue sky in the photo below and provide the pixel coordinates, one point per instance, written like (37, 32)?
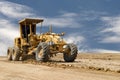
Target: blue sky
(94, 25)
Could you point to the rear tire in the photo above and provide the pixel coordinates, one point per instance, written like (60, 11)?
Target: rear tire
(42, 52)
(9, 54)
(72, 54)
(15, 54)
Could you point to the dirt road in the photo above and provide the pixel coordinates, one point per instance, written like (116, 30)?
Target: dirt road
(26, 71)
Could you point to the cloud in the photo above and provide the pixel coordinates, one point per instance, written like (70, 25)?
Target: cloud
(111, 39)
(113, 23)
(112, 32)
(100, 51)
(74, 38)
(71, 19)
(8, 33)
(90, 15)
(67, 14)
(77, 39)
(64, 20)
(13, 10)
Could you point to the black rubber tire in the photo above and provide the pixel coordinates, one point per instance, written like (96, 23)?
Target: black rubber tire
(9, 54)
(15, 54)
(70, 57)
(45, 52)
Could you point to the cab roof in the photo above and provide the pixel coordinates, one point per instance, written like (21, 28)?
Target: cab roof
(30, 21)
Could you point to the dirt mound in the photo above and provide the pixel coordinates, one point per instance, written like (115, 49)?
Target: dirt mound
(98, 62)
(99, 65)
(51, 63)
(92, 67)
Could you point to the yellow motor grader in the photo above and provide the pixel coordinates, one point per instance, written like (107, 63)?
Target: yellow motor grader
(40, 46)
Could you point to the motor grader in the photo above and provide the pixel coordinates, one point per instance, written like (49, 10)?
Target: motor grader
(41, 46)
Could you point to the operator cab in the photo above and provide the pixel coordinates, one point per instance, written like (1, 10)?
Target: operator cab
(28, 26)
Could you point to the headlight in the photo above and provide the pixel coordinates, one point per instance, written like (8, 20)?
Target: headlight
(65, 46)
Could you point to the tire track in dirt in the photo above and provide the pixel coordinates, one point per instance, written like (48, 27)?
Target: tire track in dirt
(65, 65)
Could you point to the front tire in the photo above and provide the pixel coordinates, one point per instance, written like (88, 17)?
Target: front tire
(42, 52)
(15, 54)
(71, 54)
(9, 54)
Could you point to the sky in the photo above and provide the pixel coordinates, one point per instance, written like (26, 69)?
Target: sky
(93, 25)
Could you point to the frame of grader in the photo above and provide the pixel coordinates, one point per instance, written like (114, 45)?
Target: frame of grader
(39, 46)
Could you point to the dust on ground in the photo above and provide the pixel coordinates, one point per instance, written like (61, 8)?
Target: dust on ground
(86, 67)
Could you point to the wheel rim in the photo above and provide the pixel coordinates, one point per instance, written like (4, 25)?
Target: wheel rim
(8, 54)
(40, 53)
(13, 55)
(68, 52)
